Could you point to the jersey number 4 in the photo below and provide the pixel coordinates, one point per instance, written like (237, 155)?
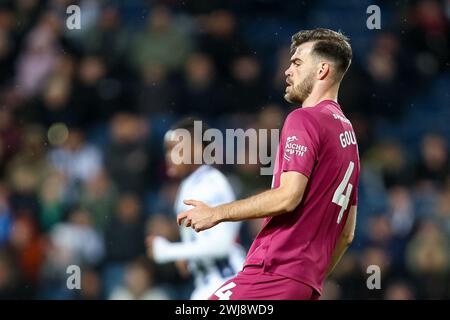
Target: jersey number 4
(339, 197)
(224, 293)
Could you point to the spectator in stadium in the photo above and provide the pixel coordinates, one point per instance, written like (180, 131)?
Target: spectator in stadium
(127, 158)
(156, 94)
(79, 160)
(99, 196)
(38, 59)
(399, 290)
(174, 277)
(163, 42)
(51, 198)
(124, 239)
(433, 164)
(90, 97)
(201, 92)
(73, 242)
(221, 40)
(247, 84)
(27, 248)
(125, 231)
(107, 38)
(138, 284)
(428, 260)
(91, 285)
(9, 277)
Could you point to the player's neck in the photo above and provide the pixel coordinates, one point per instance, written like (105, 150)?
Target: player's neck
(318, 95)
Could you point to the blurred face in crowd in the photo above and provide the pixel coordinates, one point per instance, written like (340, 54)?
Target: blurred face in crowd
(301, 74)
(175, 144)
(57, 93)
(160, 19)
(199, 70)
(376, 256)
(91, 285)
(434, 151)
(246, 69)
(129, 208)
(80, 217)
(75, 139)
(399, 291)
(22, 233)
(92, 70)
(127, 128)
(221, 24)
(137, 279)
(109, 19)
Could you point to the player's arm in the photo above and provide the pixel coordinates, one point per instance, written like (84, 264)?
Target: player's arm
(272, 202)
(214, 244)
(344, 240)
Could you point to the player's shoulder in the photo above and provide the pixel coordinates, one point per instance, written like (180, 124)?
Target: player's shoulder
(208, 175)
(221, 180)
(210, 185)
(325, 110)
(302, 117)
(298, 112)
(294, 115)
(214, 173)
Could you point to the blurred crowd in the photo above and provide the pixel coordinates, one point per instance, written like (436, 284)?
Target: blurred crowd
(83, 114)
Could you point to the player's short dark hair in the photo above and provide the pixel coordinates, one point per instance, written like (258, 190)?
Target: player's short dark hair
(329, 44)
(188, 124)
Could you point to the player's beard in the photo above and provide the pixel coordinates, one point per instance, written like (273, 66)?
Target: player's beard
(300, 92)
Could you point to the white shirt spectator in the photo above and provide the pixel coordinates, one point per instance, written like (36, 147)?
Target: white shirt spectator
(122, 293)
(82, 164)
(77, 243)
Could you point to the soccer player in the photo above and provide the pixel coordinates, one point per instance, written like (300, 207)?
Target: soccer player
(310, 211)
(215, 255)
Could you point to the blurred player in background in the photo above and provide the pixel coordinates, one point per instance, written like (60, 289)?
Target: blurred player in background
(213, 256)
(311, 209)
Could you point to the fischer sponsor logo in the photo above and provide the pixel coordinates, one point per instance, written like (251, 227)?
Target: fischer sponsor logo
(293, 149)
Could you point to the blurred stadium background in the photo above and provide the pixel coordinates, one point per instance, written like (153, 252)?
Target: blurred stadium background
(83, 114)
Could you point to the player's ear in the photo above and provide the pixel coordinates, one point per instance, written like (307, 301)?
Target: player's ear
(324, 69)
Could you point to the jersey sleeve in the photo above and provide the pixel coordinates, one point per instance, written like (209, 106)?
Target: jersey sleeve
(300, 143)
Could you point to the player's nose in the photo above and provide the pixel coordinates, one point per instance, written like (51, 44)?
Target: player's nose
(287, 73)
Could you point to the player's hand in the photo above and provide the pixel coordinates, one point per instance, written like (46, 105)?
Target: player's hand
(200, 218)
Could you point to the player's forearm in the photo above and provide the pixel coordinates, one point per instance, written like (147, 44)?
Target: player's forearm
(172, 251)
(344, 240)
(339, 250)
(269, 203)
